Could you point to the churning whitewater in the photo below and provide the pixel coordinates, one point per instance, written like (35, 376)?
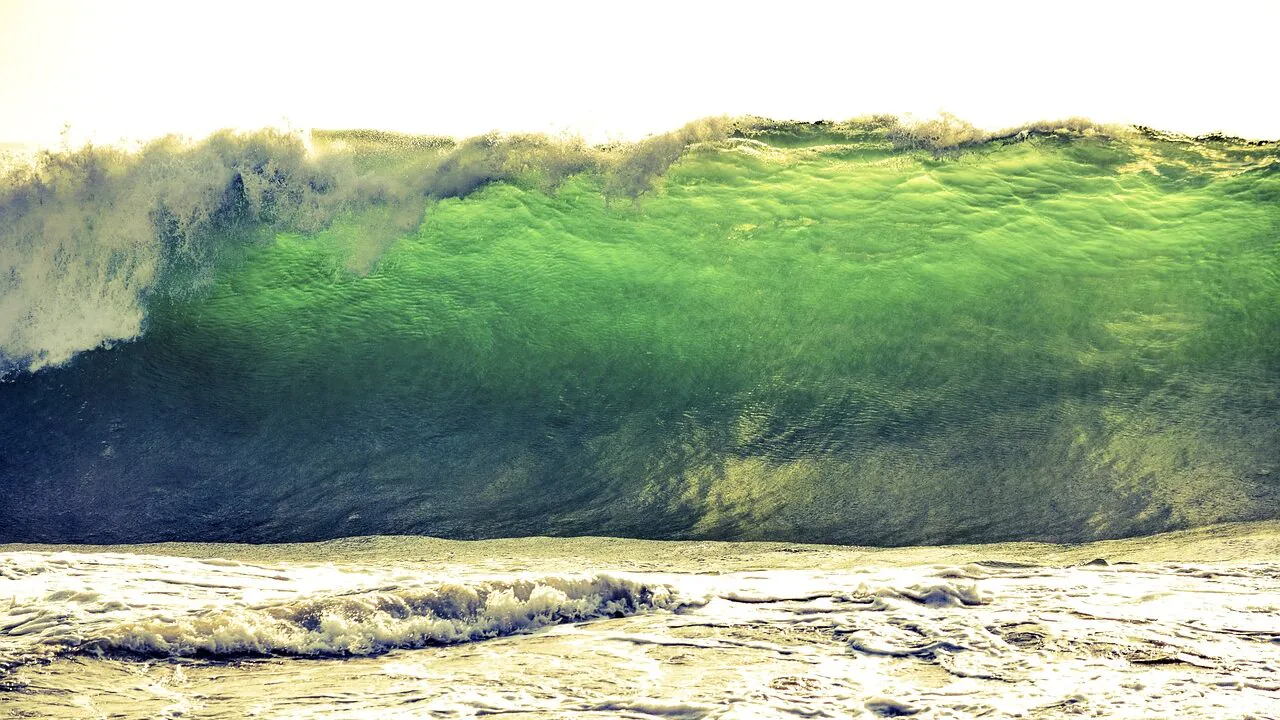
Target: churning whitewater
(410, 628)
(862, 332)
(360, 620)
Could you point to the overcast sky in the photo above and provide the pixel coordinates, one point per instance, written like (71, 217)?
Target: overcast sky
(115, 70)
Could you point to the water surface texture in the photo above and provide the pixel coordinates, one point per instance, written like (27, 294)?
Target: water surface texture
(803, 333)
(415, 628)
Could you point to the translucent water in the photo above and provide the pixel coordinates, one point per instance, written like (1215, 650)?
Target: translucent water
(796, 334)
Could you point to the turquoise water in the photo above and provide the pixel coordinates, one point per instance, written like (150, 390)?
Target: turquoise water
(809, 337)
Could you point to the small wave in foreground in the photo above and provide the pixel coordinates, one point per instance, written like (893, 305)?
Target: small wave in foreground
(155, 607)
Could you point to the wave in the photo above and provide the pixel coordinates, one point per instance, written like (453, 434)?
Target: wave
(863, 332)
(209, 611)
(371, 623)
(90, 237)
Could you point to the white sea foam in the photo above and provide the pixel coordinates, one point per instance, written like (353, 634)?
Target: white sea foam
(177, 608)
(375, 622)
(80, 633)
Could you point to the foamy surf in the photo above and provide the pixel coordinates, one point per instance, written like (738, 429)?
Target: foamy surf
(160, 607)
(406, 628)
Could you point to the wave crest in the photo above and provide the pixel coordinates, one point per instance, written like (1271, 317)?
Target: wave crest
(89, 236)
(344, 624)
(370, 623)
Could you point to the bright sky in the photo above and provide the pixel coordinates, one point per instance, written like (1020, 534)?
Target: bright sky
(134, 69)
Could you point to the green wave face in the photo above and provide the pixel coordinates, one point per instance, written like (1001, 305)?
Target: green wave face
(800, 338)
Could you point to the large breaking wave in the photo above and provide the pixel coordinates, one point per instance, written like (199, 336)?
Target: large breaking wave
(89, 236)
(850, 332)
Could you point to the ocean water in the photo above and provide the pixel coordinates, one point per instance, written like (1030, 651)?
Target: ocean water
(800, 373)
(800, 333)
(543, 628)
